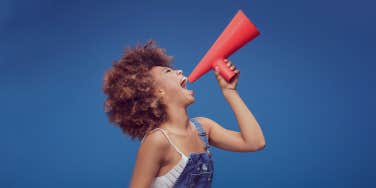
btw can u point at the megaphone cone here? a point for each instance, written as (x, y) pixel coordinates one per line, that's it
(237, 33)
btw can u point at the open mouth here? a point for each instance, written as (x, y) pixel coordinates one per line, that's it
(183, 83)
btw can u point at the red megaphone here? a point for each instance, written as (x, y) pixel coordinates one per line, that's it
(237, 33)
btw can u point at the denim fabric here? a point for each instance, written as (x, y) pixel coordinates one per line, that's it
(199, 170)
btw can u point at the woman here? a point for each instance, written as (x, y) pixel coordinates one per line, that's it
(148, 100)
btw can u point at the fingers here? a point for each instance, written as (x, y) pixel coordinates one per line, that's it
(231, 66)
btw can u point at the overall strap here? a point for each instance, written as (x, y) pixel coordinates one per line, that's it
(201, 132)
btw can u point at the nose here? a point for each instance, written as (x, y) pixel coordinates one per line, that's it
(179, 72)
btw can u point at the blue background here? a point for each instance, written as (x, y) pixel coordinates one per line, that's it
(308, 79)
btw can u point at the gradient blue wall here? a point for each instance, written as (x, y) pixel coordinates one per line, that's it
(309, 79)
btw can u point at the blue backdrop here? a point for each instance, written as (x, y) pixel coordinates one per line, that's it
(308, 79)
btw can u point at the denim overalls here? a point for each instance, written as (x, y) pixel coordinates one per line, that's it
(198, 172)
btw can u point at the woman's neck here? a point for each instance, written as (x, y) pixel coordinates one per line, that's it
(178, 120)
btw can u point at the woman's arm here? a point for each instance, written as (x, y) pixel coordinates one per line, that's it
(250, 137)
(149, 158)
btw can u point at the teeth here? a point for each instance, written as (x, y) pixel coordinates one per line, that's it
(184, 83)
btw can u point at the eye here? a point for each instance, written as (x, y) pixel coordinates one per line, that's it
(168, 70)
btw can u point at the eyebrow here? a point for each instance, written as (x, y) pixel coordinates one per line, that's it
(164, 68)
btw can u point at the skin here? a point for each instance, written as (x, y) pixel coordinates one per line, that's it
(156, 156)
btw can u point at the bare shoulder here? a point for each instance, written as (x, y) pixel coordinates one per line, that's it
(150, 156)
(155, 141)
(154, 147)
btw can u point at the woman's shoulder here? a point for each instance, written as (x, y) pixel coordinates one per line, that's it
(156, 138)
(204, 122)
(154, 143)
(150, 157)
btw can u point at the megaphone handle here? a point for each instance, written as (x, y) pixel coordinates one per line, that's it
(224, 70)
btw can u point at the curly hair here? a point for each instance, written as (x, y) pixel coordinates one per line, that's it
(131, 102)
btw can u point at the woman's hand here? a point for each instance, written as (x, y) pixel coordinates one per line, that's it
(225, 86)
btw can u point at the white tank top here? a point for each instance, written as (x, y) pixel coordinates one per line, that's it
(168, 180)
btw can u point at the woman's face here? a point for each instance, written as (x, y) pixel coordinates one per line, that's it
(171, 85)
